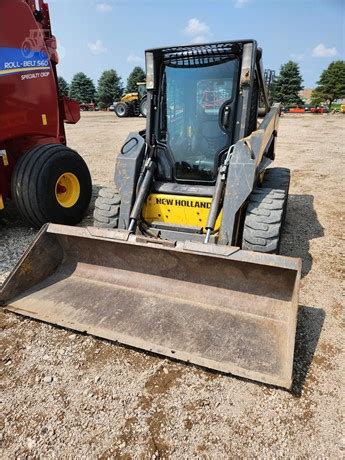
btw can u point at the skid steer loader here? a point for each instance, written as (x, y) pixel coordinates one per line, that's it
(186, 267)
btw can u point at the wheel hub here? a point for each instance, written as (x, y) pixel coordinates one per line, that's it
(67, 190)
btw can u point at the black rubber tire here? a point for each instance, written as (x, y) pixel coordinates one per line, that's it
(143, 106)
(122, 109)
(266, 210)
(34, 180)
(107, 208)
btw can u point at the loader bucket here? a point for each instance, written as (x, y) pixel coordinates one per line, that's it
(215, 306)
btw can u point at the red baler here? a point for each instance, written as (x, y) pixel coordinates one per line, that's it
(47, 181)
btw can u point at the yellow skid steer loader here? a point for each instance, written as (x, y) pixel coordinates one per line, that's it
(182, 260)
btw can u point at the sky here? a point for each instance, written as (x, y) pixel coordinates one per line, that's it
(96, 35)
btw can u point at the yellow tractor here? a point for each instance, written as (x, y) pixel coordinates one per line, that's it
(133, 104)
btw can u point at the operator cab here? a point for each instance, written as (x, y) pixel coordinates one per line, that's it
(194, 116)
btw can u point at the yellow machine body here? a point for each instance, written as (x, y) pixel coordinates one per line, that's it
(130, 97)
(178, 210)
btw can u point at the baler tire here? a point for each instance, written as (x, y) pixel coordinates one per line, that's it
(266, 210)
(107, 208)
(122, 110)
(35, 182)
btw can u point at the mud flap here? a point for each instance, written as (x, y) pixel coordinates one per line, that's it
(215, 306)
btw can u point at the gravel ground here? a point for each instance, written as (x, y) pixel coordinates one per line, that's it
(69, 395)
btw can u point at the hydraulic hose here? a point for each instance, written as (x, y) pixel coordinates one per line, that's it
(218, 195)
(141, 195)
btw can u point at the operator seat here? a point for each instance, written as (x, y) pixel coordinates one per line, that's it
(209, 139)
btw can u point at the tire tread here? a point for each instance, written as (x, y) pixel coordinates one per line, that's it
(107, 208)
(26, 185)
(265, 213)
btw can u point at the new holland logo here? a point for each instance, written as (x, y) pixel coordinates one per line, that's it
(183, 203)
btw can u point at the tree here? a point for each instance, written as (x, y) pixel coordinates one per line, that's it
(331, 85)
(109, 88)
(137, 75)
(316, 99)
(288, 84)
(63, 86)
(82, 88)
